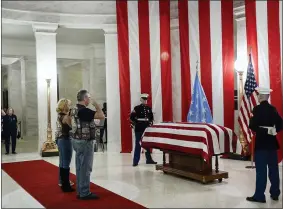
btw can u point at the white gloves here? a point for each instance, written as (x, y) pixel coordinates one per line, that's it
(271, 130)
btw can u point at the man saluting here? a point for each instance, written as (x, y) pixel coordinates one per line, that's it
(141, 118)
(266, 123)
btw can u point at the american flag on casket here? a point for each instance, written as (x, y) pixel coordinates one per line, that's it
(201, 139)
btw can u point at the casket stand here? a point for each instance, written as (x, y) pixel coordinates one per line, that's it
(191, 166)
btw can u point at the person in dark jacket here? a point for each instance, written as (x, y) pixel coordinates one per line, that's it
(104, 130)
(10, 130)
(141, 118)
(266, 123)
(3, 113)
(64, 143)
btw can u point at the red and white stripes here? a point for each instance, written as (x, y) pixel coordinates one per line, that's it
(144, 60)
(200, 139)
(246, 108)
(147, 65)
(209, 40)
(264, 35)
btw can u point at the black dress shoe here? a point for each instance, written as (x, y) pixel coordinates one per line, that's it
(135, 164)
(274, 198)
(91, 196)
(151, 162)
(14, 153)
(7, 153)
(252, 199)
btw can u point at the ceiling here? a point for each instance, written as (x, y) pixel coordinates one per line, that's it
(76, 7)
(67, 7)
(64, 35)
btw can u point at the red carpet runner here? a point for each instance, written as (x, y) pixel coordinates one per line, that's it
(40, 179)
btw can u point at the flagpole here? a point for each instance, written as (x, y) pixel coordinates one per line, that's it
(198, 73)
(252, 140)
(252, 155)
(241, 135)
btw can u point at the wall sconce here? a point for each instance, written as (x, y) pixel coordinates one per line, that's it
(164, 56)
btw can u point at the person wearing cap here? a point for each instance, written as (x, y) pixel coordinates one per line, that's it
(141, 118)
(266, 123)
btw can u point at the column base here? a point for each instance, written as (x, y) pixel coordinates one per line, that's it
(49, 149)
(50, 153)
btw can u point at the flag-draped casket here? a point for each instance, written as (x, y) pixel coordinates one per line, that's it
(190, 147)
(199, 139)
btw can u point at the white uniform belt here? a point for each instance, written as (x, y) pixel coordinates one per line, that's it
(270, 130)
(142, 119)
(268, 127)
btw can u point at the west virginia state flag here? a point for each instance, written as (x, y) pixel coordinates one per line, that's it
(199, 110)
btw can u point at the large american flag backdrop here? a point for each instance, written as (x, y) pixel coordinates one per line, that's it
(157, 58)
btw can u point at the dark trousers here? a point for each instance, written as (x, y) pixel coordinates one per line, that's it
(137, 152)
(264, 158)
(8, 138)
(102, 131)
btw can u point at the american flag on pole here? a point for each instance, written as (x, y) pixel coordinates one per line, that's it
(263, 33)
(249, 101)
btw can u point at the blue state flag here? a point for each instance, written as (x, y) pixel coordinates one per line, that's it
(199, 110)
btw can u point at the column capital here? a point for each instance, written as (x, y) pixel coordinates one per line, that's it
(110, 29)
(44, 27)
(9, 60)
(86, 64)
(22, 58)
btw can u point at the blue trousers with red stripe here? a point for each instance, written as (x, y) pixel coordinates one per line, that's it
(264, 159)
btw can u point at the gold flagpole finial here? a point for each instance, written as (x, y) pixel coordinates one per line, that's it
(250, 49)
(249, 53)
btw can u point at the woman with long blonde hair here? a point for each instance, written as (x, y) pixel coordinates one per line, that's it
(64, 143)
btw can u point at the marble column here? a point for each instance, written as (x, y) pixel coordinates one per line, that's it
(23, 91)
(45, 35)
(86, 74)
(31, 98)
(112, 91)
(14, 88)
(98, 79)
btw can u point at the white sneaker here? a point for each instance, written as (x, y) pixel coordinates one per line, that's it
(71, 183)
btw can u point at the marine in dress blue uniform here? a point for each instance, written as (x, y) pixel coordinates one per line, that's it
(141, 118)
(266, 123)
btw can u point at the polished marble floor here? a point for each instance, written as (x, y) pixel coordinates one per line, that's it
(24, 145)
(148, 187)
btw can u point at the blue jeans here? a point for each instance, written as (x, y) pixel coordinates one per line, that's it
(65, 153)
(84, 160)
(264, 158)
(137, 152)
